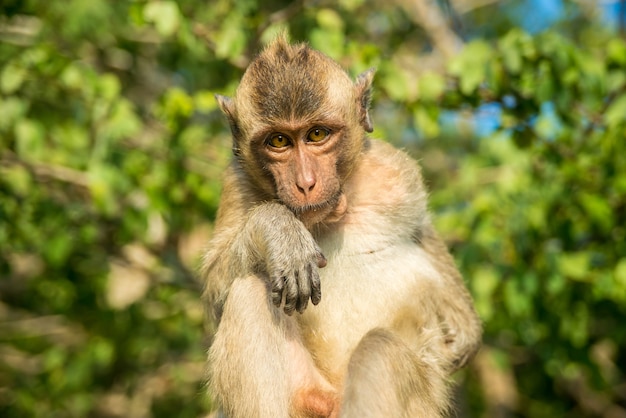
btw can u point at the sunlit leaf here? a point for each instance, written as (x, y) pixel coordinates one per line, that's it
(431, 86)
(517, 303)
(329, 19)
(12, 77)
(331, 42)
(485, 281)
(425, 120)
(616, 112)
(471, 65)
(620, 273)
(29, 135)
(231, 40)
(109, 86)
(164, 14)
(393, 81)
(329, 37)
(616, 51)
(575, 265)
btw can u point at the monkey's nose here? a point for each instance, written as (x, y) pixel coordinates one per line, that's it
(305, 176)
(306, 186)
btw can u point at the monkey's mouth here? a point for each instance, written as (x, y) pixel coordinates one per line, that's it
(330, 210)
(327, 205)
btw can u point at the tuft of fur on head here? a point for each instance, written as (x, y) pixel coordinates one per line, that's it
(288, 82)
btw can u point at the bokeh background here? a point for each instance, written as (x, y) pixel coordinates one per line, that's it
(112, 148)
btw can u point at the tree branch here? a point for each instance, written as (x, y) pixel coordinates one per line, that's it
(427, 14)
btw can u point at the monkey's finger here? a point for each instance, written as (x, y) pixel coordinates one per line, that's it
(316, 288)
(304, 289)
(321, 260)
(302, 303)
(291, 294)
(278, 284)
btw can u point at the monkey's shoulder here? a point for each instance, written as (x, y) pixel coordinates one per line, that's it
(389, 182)
(238, 195)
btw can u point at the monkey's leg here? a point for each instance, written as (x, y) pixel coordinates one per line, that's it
(258, 365)
(387, 379)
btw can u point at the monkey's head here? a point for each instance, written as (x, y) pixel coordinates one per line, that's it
(298, 123)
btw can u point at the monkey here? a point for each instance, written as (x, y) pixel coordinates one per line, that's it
(315, 210)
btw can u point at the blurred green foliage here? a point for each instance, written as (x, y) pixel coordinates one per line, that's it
(111, 151)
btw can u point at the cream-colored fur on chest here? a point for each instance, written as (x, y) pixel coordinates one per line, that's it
(372, 279)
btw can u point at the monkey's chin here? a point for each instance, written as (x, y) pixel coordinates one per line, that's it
(327, 212)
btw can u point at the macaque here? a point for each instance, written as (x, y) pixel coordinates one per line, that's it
(313, 210)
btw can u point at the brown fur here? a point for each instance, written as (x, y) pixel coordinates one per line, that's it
(395, 318)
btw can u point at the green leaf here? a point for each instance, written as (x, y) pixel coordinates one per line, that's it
(394, 81)
(616, 112)
(12, 78)
(598, 209)
(329, 19)
(517, 302)
(165, 15)
(29, 135)
(484, 283)
(58, 249)
(178, 103)
(123, 121)
(513, 47)
(11, 109)
(555, 284)
(431, 86)
(620, 272)
(512, 59)
(18, 179)
(109, 86)
(102, 180)
(329, 41)
(575, 265)
(204, 101)
(616, 51)
(575, 325)
(329, 37)
(616, 80)
(231, 40)
(73, 77)
(470, 66)
(545, 84)
(425, 120)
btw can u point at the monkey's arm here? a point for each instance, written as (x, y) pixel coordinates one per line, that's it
(263, 239)
(452, 302)
(461, 325)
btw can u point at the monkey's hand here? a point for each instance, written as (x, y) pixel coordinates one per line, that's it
(288, 254)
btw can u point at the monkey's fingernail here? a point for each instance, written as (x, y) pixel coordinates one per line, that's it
(276, 298)
(321, 260)
(316, 298)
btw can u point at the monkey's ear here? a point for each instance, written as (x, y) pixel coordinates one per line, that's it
(226, 104)
(228, 107)
(364, 94)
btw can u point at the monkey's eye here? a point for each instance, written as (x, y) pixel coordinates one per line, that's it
(278, 140)
(317, 134)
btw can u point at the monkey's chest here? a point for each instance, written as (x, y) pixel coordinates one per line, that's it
(362, 289)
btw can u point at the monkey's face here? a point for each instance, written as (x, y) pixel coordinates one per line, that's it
(299, 124)
(302, 161)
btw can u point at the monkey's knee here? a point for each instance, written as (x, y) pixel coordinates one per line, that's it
(386, 378)
(246, 358)
(314, 403)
